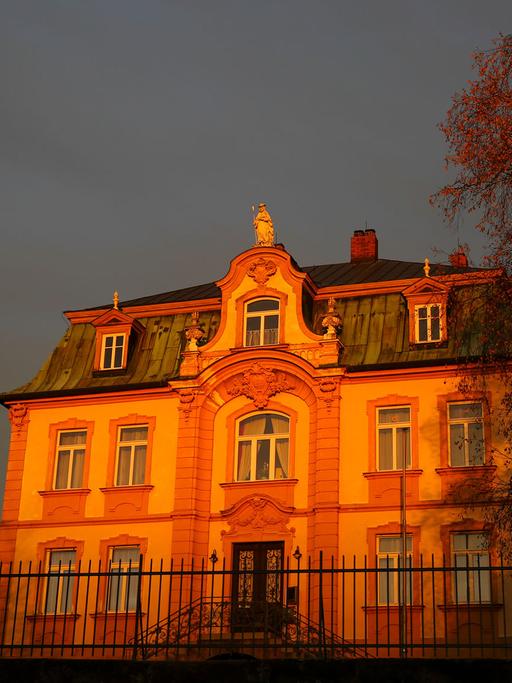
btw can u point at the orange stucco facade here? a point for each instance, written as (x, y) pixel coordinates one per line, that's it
(332, 495)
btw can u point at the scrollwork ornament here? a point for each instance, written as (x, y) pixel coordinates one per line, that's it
(259, 384)
(328, 387)
(187, 398)
(261, 270)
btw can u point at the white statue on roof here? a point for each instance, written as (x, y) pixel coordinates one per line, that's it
(264, 227)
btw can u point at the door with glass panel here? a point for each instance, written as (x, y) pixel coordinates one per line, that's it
(257, 591)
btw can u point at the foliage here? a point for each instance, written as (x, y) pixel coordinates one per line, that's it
(478, 131)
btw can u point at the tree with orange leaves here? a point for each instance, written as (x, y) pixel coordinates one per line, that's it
(478, 131)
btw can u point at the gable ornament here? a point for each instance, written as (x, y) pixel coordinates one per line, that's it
(261, 270)
(259, 384)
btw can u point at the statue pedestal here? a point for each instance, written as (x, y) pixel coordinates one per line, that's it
(330, 352)
(190, 365)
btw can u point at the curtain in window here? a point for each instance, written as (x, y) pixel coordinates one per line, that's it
(281, 459)
(139, 464)
(123, 466)
(123, 582)
(279, 424)
(385, 449)
(59, 589)
(253, 425)
(134, 434)
(244, 461)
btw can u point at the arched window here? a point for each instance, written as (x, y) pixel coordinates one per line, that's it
(261, 322)
(262, 447)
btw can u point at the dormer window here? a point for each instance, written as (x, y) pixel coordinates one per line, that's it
(262, 322)
(427, 301)
(112, 355)
(117, 335)
(428, 323)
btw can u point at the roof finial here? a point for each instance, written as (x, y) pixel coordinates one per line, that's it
(426, 268)
(116, 300)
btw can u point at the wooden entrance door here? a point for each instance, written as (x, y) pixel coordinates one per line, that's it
(257, 594)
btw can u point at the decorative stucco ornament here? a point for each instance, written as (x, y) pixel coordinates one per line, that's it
(18, 416)
(331, 321)
(261, 270)
(259, 384)
(264, 227)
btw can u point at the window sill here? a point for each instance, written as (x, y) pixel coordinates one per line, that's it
(64, 504)
(238, 349)
(259, 482)
(471, 606)
(392, 473)
(392, 608)
(109, 372)
(469, 470)
(50, 617)
(123, 614)
(126, 501)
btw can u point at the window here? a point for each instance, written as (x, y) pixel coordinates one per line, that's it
(394, 438)
(112, 356)
(472, 584)
(131, 455)
(465, 426)
(59, 587)
(69, 459)
(262, 447)
(389, 560)
(262, 322)
(123, 580)
(428, 323)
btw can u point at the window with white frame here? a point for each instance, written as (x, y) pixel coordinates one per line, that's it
(465, 425)
(261, 322)
(112, 352)
(131, 455)
(59, 586)
(70, 459)
(428, 322)
(393, 438)
(123, 579)
(390, 553)
(470, 559)
(262, 447)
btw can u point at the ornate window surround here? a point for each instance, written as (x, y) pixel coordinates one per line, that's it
(113, 323)
(426, 292)
(68, 502)
(232, 423)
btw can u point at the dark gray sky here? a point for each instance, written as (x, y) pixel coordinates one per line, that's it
(136, 134)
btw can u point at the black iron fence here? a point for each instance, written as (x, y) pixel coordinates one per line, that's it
(320, 608)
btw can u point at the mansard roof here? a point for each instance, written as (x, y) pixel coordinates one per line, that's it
(374, 332)
(327, 275)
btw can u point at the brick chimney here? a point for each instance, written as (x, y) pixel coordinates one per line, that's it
(458, 258)
(364, 246)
